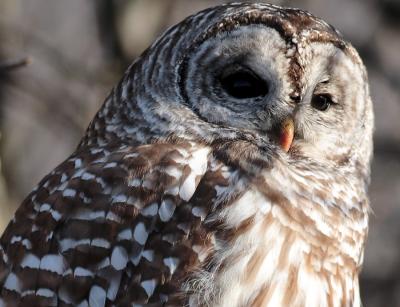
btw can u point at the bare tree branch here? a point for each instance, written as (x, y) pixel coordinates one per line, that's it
(9, 65)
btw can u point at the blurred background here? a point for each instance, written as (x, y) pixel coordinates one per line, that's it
(79, 49)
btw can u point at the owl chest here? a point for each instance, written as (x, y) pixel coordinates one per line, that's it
(268, 262)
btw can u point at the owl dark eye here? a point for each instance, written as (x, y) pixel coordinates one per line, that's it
(243, 84)
(321, 102)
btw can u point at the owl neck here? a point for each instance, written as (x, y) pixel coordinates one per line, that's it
(287, 269)
(138, 121)
(287, 243)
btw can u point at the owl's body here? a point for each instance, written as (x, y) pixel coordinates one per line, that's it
(228, 168)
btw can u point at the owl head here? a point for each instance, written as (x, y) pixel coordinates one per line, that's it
(253, 73)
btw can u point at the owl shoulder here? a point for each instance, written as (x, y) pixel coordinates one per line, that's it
(99, 211)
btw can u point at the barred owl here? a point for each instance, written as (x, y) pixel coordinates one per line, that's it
(229, 167)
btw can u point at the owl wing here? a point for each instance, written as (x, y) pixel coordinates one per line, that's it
(112, 225)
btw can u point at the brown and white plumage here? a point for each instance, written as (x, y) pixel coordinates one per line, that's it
(182, 192)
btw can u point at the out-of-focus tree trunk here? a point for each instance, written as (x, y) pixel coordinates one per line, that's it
(3, 196)
(6, 205)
